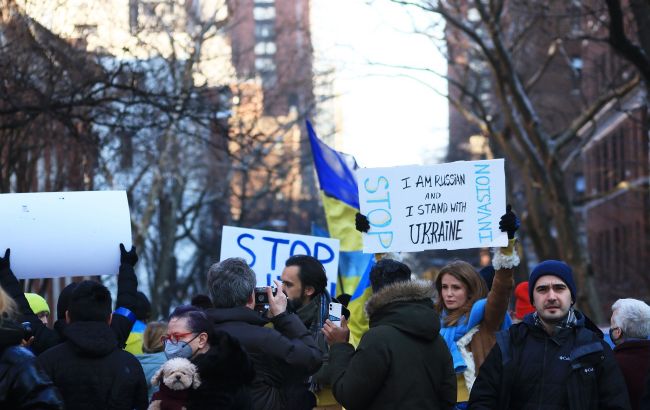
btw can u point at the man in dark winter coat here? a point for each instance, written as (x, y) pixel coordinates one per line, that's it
(554, 359)
(630, 328)
(282, 355)
(89, 368)
(44, 337)
(401, 362)
(304, 280)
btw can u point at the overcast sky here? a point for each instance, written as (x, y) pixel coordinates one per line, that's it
(388, 119)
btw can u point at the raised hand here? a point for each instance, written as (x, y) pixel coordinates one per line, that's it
(509, 222)
(361, 222)
(335, 334)
(130, 257)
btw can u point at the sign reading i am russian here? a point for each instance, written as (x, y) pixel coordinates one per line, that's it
(412, 208)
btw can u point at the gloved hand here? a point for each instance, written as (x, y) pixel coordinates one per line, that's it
(509, 222)
(4, 262)
(130, 257)
(361, 222)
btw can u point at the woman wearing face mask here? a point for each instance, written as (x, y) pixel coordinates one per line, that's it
(225, 369)
(470, 314)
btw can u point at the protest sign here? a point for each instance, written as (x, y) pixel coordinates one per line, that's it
(448, 206)
(54, 234)
(266, 251)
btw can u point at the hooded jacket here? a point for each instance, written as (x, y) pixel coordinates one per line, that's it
(44, 337)
(91, 372)
(23, 385)
(280, 356)
(401, 362)
(574, 369)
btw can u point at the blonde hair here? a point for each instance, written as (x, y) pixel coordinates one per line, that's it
(7, 304)
(151, 342)
(476, 289)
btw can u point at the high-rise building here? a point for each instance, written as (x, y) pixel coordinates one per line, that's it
(271, 42)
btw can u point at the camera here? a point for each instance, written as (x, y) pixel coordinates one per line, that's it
(261, 297)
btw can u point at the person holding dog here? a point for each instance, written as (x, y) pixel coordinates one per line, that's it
(224, 369)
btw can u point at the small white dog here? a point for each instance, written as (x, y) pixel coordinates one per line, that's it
(175, 377)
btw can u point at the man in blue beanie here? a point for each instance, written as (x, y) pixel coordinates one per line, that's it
(552, 359)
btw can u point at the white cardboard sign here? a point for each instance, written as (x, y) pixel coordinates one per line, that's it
(266, 251)
(54, 234)
(456, 205)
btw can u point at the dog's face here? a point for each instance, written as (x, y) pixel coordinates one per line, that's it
(177, 374)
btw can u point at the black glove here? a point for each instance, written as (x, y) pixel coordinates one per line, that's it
(130, 257)
(361, 222)
(509, 222)
(4, 262)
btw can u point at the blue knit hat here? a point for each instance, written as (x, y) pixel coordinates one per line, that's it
(555, 268)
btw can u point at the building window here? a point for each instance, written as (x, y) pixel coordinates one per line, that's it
(264, 12)
(580, 185)
(264, 30)
(268, 78)
(264, 64)
(265, 48)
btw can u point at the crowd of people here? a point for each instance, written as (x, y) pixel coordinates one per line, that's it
(450, 344)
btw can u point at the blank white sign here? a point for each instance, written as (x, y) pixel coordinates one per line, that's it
(54, 234)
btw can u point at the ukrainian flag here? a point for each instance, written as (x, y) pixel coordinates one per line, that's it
(340, 195)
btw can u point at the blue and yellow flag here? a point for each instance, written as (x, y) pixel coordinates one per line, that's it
(340, 194)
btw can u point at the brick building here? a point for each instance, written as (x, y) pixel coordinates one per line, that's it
(608, 169)
(271, 42)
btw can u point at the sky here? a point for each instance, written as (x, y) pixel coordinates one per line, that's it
(388, 119)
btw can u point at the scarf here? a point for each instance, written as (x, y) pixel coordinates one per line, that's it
(569, 320)
(313, 315)
(451, 334)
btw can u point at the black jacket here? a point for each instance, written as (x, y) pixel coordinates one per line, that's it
(528, 369)
(45, 338)
(23, 384)
(401, 362)
(226, 374)
(92, 372)
(280, 356)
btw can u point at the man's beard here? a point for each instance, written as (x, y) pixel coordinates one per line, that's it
(300, 302)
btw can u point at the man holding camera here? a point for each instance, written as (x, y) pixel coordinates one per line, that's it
(304, 280)
(281, 355)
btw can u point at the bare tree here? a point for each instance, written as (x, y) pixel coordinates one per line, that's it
(516, 75)
(164, 117)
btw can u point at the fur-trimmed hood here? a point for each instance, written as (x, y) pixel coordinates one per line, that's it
(407, 306)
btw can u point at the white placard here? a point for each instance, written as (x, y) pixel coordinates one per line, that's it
(54, 234)
(456, 205)
(266, 251)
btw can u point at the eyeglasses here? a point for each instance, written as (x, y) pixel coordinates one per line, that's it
(174, 338)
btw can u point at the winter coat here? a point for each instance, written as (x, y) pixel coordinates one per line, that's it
(280, 356)
(92, 372)
(633, 357)
(573, 369)
(150, 363)
(401, 362)
(168, 399)
(226, 374)
(496, 308)
(45, 338)
(314, 391)
(23, 384)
